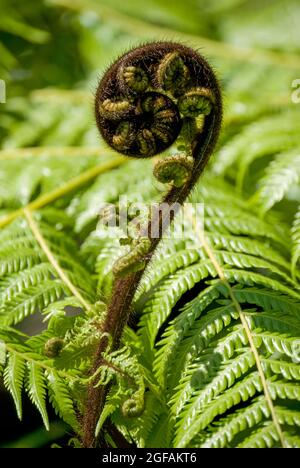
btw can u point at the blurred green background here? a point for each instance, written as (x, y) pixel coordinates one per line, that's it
(53, 52)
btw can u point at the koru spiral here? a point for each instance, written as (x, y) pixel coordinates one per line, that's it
(148, 96)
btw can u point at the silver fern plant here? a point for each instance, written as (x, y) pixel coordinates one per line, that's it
(211, 358)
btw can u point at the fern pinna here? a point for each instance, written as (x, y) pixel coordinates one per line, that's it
(210, 355)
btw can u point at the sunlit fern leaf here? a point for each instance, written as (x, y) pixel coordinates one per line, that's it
(27, 367)
(249, 278)
(104, 263)
(287, 416)
(267, 299)
(223, 218)
(166, 267)
(166, 296)
(292, 440)
(112, 404)
(271, 134)
(61, 399)
(23, 178)
(35, 299)
(285, 390)
(36, 388)
(15, 260)
(281, 175)
(250, 246)
(276, 342)
(13, 379)
(222, 433)
(288, 370)
(29, 281)
(265, 436)
(23, 279)
(273, 321)
(226, 346)
(172, 338)
(102, 251)
(47, 122)
(245, 389)
(167, 264)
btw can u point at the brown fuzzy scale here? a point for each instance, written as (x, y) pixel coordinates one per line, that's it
(148, 57)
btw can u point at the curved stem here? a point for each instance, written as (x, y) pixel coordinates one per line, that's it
(124, 289)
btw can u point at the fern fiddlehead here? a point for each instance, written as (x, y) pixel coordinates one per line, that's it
(148, 99)
(53, 347)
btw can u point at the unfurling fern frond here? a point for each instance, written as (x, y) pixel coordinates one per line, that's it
(200, 350)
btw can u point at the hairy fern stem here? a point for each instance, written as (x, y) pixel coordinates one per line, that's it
(145, 101)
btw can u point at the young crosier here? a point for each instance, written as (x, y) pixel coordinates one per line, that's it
(150, 98)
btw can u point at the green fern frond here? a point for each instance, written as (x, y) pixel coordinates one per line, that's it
(28, 283)
(61, 399)
(26, 367)
(245, 389)
(288, 370)
(166, 296)
(270, 135)
(268, 299)
(36, 388)
(35, 298)
(267, 437)
(222, 433)
(281, 175)
(13, 379)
